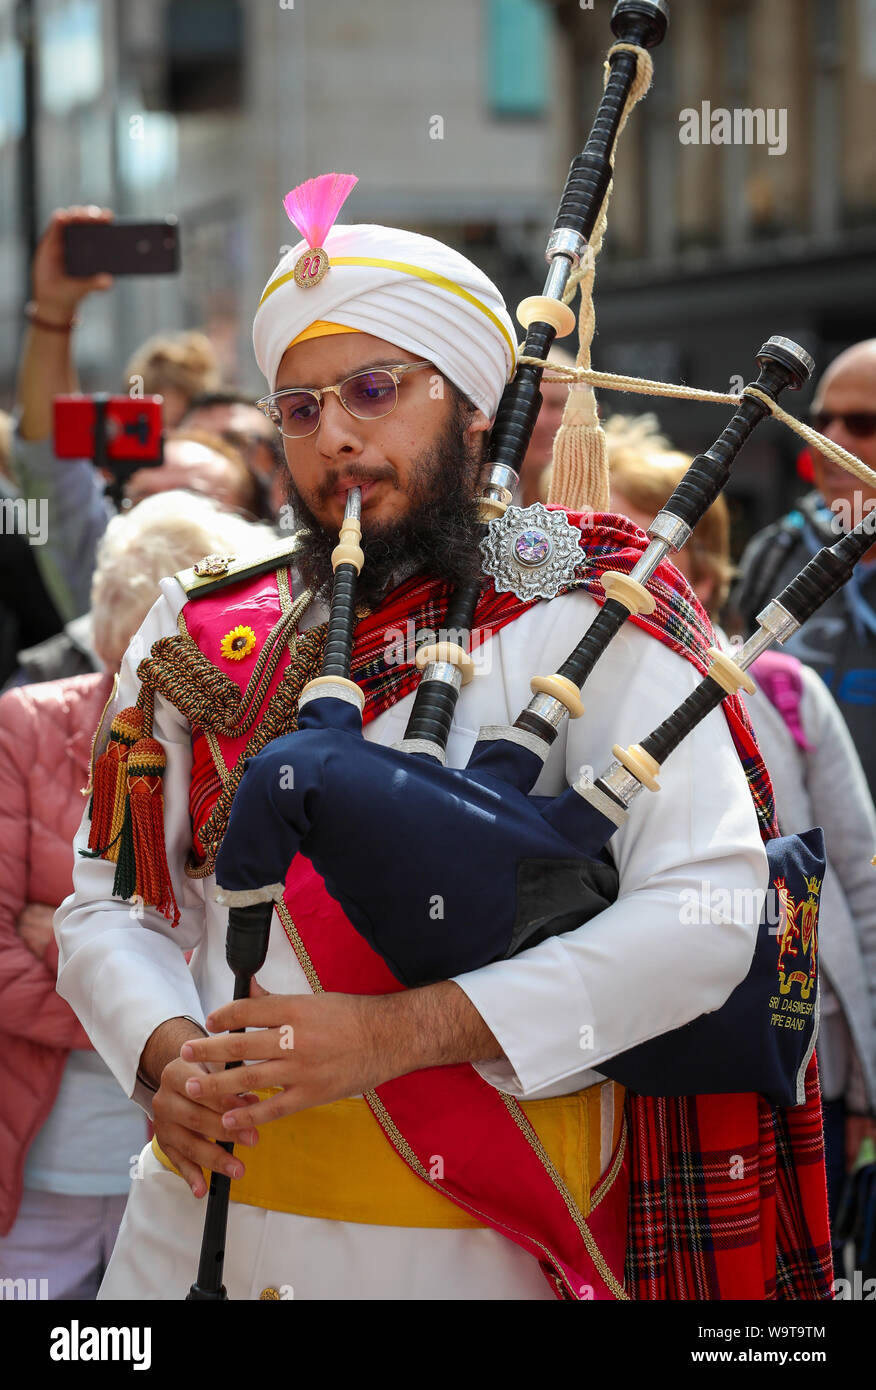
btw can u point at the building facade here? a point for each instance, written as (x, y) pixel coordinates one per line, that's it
(725, 229)
(452, 116)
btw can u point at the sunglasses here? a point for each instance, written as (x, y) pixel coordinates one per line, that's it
(859, 423)
(370, 395)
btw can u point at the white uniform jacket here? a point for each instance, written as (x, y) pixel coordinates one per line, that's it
(557, 1009)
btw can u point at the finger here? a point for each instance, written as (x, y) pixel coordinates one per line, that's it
(245, 1098)
(255, 989)
(188, 1170)
(258, 1012)
(202, 1116)
(256, 1045)
(285, 1102)
(210, 1090)
(198, 1153)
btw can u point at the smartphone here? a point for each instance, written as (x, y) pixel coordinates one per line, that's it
(121, 248)
(130, 428)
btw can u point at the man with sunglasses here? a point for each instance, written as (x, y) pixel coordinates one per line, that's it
(840, 640)
(386, 375)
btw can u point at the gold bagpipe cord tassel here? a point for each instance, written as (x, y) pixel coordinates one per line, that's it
(127, 810)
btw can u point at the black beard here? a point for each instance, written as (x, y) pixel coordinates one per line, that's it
(439, 534)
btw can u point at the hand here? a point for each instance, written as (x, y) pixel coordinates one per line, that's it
(183, 1129)
(317, 1048)
(34, 926)
(323, 1047)
(55, 292)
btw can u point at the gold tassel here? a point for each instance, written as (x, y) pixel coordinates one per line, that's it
(579, 473)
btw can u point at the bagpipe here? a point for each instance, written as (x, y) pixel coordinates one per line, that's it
(378, 822)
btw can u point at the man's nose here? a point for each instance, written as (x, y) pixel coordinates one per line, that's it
(337, 432)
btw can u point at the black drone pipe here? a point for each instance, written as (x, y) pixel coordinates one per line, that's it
(642, 23)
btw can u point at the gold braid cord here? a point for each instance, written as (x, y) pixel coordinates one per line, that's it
(178, 670)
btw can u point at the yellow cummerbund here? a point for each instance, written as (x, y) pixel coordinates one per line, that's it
(335, 1162)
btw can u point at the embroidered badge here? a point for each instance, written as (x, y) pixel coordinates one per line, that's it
(797, 933)
(238, 643)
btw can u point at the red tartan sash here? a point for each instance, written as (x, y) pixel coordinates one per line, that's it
(727, 1195)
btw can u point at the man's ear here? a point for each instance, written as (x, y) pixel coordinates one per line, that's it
(476, 425)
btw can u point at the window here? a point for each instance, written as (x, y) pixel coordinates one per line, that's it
(71, 57)
(205, 40)
(518, 50)
(11, 92)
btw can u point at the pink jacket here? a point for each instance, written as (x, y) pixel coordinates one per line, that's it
(45, 742)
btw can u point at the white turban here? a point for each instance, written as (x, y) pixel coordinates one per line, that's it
(409, 290)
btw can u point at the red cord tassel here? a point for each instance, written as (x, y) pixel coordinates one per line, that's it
(110, 784)
(146, 765)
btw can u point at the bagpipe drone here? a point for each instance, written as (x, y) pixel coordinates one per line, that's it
(379, 822)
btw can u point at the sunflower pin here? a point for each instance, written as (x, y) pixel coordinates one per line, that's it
(238, 643)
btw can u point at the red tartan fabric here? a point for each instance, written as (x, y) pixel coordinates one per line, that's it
(727, 1194)
(727, 1199)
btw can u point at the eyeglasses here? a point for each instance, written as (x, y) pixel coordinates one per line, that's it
(859, 423)
(297, 411)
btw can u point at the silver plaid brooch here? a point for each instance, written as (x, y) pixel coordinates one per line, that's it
(532, 552)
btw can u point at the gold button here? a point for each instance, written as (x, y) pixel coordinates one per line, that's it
(213, 565)
(269, 1293)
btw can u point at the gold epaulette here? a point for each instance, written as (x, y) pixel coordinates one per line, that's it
(218, 571)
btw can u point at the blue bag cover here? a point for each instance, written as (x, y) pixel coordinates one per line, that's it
(441, 870)
(762, 1037)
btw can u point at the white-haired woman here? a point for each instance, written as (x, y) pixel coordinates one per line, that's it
(68, 1134)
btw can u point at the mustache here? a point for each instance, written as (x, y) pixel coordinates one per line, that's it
(358, 474)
